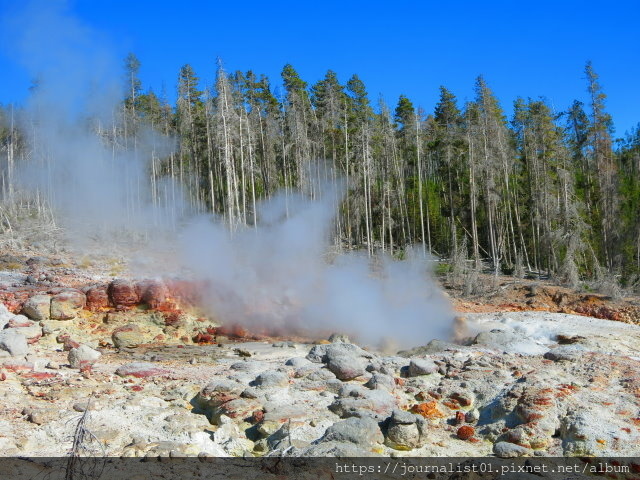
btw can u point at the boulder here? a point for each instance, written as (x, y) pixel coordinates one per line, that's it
(83, 356)
(140, 370)
(66, 305)
(346, 367)
(5, 316)
(420, 366)
(37, 307)
(31, 330)
(97, 298)
(567, 353)
(13, 342)
(406, 431)
(271, 378)
(127, 336)
(356, 401)
(510, 450)
(322, 353)
(364, 432)
(152, 292)
(434, 346)
(123, 293)
(345, 360)
(339, 338)
(380, 380)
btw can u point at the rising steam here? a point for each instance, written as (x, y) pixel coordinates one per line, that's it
(278, 272)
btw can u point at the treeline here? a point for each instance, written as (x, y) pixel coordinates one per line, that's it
(546, 192)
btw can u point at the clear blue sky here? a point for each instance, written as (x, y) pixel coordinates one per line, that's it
(529, 49)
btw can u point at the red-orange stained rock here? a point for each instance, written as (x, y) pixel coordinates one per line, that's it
(465, 432)
(97, 298)
(123, 293)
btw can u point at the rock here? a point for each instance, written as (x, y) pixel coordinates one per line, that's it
(83, 406)
(123, 293)
(286, 344)
(235, 445)
(510, 450)
(335, 450)
(5, 316)
(97, 298)
(52, 365)
(13, 342)
(219, 391)
(32, 331)
(127, 336)
(346, 367)
(567, 353)
(590, 429)
(39, 416)
(222, 397)
(83, 356)
(359, 431)
(152, 292)
(270, 379)
(509, 341)
(419, 366)
(465, 432)
(66, 305)
(67, 342)
(465, 399)
(434, 346)
(140, 370)
(339, 338)
(356, 401)
(298, 362)
(19, 321)
(429, 410)
(472, 416)
(37, 307)
(322, 353)
(345, 360)
(405, 431)
(379, 380)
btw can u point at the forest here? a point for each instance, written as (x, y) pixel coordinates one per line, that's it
(544, 193)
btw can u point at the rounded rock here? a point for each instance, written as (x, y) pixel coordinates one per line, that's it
(127, 336)
(123, 293)
(419, 366)
(67, 304)
(37, 307)
(83, 356)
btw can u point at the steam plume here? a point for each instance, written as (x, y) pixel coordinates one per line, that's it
(276, 273)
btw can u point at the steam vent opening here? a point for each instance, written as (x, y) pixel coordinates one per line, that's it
(278, 270)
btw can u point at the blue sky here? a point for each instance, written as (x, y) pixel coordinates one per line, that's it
(528, 49)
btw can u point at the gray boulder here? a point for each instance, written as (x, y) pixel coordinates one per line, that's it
(13, 342)
(510, 450)
(37, 307)
(406, 431)
(345, 360)
(356, 401)
(420, 366)
(83, 356)
(346, 367)
(380, 380)
(434, 346)
(567, 353)
(359, 431)
(271, 378)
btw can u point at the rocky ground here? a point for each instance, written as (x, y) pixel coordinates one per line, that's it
(136, 369)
